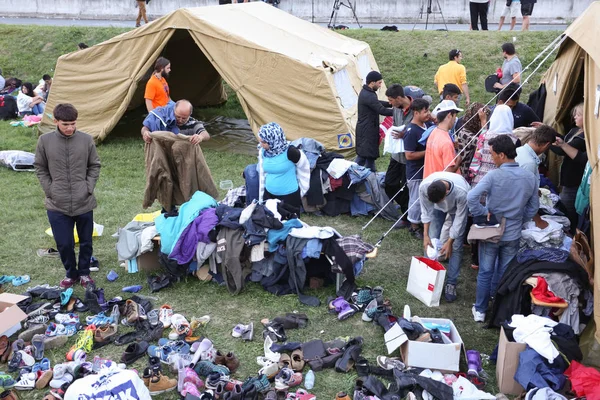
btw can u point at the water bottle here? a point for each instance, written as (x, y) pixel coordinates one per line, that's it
(309, 380)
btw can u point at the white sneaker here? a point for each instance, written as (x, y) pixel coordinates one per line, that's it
(365, 316)
(165, 312)
(27, 382)
(477, 316)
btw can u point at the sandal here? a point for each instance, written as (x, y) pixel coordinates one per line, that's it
(65, 296)
(21, 280)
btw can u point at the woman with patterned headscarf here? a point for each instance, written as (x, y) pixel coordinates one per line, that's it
(284, 170)
(466, 136)
(501, 123)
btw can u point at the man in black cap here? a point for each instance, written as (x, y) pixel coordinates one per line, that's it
(367, 126)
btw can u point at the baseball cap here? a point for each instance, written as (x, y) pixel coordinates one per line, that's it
(445, 105)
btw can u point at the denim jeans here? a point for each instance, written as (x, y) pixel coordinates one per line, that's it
(435, 229)
(504, 252)
(62, 229)
(366, 162)
(414, 211)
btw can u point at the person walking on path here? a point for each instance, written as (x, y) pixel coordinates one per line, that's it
(511, 9)
(141, 5)
(479, 10)
(67, 166)
(526, 11)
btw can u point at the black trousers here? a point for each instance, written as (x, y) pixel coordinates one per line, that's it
(395, 177)
(62, 229)
(479, 11)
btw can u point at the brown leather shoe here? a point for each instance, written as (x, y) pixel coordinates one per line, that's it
(105, 333)
(232, 362)
(160, 384)
(44, 377)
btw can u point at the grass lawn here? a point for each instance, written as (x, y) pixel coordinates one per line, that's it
(406, 57)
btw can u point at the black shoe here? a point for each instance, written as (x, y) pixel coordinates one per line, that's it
(275, 332)
(158, 283)
(134, 352)
(91, 300)
(436, 336)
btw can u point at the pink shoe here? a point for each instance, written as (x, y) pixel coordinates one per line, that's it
(192, 377)
(190, 388)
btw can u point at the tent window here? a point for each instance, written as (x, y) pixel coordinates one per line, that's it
(346, 93)
(364, 66)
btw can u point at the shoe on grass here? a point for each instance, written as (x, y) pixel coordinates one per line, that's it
(67, 283)
(160, 383)
(165, 313)
(478, 316)
(450, 293)
(86, 281)
(389, 363)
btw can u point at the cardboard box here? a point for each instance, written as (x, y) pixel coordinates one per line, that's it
(10, 314)
(148, 262)
(507, 364)
(444, 357)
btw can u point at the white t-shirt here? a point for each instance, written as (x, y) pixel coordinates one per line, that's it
(23, 102)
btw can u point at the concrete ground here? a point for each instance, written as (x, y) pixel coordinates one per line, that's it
(436, 24)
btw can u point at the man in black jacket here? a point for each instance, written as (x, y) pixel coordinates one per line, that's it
(367, 126)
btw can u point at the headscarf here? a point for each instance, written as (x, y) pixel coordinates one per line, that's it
(473, 123)
(273, 135)
(502, 120)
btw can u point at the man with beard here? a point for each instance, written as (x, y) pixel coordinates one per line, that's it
(157, 88)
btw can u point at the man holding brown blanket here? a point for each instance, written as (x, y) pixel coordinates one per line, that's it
(175, 164)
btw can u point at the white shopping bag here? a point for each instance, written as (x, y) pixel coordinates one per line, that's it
(426, 280)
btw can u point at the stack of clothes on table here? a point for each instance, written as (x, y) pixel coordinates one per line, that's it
(265, 243)
(551, 276)
(337, 186)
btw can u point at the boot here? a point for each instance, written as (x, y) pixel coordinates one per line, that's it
(351, 353)
(473, 362)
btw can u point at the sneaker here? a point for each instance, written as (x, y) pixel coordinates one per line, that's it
(477, 316)
(27, 382)
(180, 327)
(450, 293)
(86, 281)
(191, 389)
(370, 309)
(239, 330)
(153, 317)
(67, 283)
(165, 314)
(196, 323)
(131, 312)
(38, 319)
(67, 319)
(390, 363)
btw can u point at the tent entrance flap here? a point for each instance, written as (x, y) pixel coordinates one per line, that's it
(192, 75)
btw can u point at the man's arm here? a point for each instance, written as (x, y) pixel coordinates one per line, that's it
(474, 196)
(465, 89)
(149, 106)
(41, 168)
(533, 204)
(93, 168)
(380, 107)
(414, 155)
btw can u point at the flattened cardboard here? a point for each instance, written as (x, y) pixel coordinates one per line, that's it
(394, 338)
(444, 357)
(148, 262)
(507, 364)
(10, 314)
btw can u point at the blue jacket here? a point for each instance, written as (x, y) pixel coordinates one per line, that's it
(162, 119)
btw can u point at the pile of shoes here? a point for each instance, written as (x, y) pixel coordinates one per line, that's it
(369, 301)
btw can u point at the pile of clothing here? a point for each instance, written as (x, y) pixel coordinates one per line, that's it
(265, 243)
(337, 186)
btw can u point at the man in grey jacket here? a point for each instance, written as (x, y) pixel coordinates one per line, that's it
(67, 165)
(442, 194)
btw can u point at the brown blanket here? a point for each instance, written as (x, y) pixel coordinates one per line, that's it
(175, 170)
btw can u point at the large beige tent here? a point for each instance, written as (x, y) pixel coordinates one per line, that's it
(283, 69)
(573, 77)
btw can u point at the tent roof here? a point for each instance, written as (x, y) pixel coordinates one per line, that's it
(259, 26)
(585, 31)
